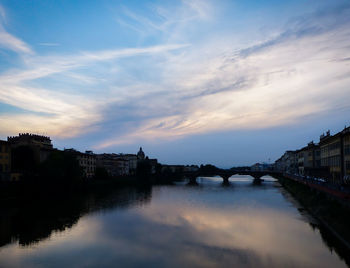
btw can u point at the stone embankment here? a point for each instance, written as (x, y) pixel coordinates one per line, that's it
(330, 206)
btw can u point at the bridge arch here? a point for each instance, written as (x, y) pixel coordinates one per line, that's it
(225, 177)
(227, 174)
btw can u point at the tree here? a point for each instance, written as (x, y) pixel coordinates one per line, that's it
(24, 160)
(143, 168)
(61, 167)
(101, 174)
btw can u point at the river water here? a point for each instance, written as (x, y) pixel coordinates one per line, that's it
(207, 225)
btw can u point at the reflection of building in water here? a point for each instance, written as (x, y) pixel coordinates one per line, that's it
(5, 161)
(31, 222)
(87, 161)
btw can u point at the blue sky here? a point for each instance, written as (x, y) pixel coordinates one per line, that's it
(222, 82)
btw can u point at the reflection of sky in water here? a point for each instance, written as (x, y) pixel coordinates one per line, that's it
(201, 226)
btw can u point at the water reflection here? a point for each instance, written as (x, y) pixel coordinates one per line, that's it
(32, 220)
(239, 225)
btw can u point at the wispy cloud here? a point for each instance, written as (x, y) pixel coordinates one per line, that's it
(9, 41)
(49, 44)
(62, 111)
(276, 82)
(3, 18)
(187, 84)
(168, 24)
(13, 43)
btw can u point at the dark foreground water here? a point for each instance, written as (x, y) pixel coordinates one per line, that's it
(209, 225)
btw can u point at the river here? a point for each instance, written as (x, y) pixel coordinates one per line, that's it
(206, 225)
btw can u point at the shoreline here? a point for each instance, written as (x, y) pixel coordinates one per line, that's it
(330, 212)
(324, 208)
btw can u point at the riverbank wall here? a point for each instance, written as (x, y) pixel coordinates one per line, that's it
(331, 210)
(44, 189)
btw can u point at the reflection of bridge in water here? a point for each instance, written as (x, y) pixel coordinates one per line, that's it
(226, 174)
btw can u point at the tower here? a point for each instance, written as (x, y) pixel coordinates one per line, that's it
(140, 154)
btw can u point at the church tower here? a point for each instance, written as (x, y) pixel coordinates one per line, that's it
(140, 154)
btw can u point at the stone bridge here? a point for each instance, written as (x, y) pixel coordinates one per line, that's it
(226, 174)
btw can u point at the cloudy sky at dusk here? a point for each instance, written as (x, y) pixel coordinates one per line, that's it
(192, 81)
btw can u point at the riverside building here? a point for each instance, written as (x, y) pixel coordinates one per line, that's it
(346, 152)
(5, 161)
(331, 155)
(118, 164)
(87, 161)
(41, 145)
(330, 159)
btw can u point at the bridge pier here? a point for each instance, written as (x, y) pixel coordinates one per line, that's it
(257, 178)
(193, 179)
(225, 177)
(225, 183)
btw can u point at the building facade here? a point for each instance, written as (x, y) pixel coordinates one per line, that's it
(131, 162)
(5, 161)
(109, 163)
(118, 164)
(312, 163)
(87, 161)
(302, 160)
(191, 168)
(288, 162)
(41, 145)
(291, 162)
(172, 168)
(31, 139)
(153, 163)
(331, 156)
(330, 159)
(346, 153)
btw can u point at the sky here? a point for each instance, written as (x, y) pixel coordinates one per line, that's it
(193, 82)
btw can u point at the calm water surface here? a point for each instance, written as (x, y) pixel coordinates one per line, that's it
(209, 225)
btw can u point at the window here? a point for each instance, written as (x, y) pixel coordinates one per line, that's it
(347, 149)
(337, 161)
(333, 161)
(347, 165)
(334, 146)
